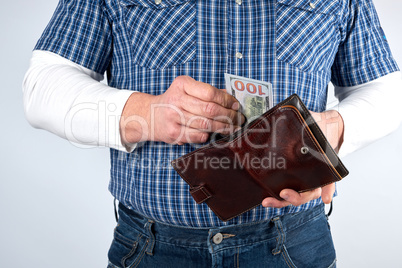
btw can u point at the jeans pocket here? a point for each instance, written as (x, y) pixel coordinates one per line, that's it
(310, 246)
(161, 35)
(306, 33)
(128, 247)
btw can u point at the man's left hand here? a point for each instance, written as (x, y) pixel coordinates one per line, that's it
(331, 124)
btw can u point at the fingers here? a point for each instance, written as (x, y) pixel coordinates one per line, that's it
(208, 93)
(176, 133)
(189, 128)
(211, 110)
(332, 125)
(217, 125)
(294, 198)
(298, 199)
(189, 110)
(181, 135)
(274, 203)
(327, 193)
(191, 135)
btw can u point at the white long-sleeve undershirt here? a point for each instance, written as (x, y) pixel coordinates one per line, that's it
(70, 101)
(370, 111)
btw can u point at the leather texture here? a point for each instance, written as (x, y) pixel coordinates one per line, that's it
(283, 148)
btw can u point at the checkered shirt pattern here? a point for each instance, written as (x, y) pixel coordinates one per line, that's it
(297, 45)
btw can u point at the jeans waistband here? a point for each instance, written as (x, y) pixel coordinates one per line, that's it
(220, 237)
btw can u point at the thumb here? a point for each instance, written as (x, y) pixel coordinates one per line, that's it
(327, 193)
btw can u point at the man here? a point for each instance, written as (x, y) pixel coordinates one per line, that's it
(173, 53)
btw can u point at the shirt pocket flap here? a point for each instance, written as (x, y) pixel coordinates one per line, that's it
(155, 4)
(330, 7)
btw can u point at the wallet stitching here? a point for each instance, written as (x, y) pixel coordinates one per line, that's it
(259, 122)
(317, 128)
(217, 213)
(207, 194)
(322, 154)
(255, 124)
(211, 145)
(322, 135)
(252, 126)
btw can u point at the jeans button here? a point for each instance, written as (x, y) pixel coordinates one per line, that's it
(218, 238)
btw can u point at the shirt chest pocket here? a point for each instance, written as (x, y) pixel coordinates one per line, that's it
(162, 33)
(307, 35)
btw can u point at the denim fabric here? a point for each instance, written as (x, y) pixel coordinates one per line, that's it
(294, 240)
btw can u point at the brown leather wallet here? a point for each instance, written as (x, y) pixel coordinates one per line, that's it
(283, 148)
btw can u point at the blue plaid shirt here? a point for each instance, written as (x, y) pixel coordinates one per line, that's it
(297, 45)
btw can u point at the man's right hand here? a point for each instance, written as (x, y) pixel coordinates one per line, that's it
(186, 113)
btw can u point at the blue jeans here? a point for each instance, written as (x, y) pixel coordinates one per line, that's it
(296, 240)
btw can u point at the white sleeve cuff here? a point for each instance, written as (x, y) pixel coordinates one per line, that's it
(68, 100)
(370, 111)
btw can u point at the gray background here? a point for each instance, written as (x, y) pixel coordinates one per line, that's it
(56, 210)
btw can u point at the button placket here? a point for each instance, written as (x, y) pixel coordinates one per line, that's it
(238, 54)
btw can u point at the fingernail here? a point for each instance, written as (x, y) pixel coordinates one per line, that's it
(235, 106)
(285, 196)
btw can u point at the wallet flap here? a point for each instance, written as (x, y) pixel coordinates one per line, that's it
(200, 194)
(295, 101)
(283, 148)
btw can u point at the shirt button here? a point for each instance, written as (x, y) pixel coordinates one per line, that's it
(312, 5)
(218, 238)
(158, 2)
(239, 55)
(238, 2)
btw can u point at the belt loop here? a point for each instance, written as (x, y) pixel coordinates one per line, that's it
(281, 236)
(151, 242)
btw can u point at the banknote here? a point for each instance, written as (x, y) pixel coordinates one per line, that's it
(255, 97)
